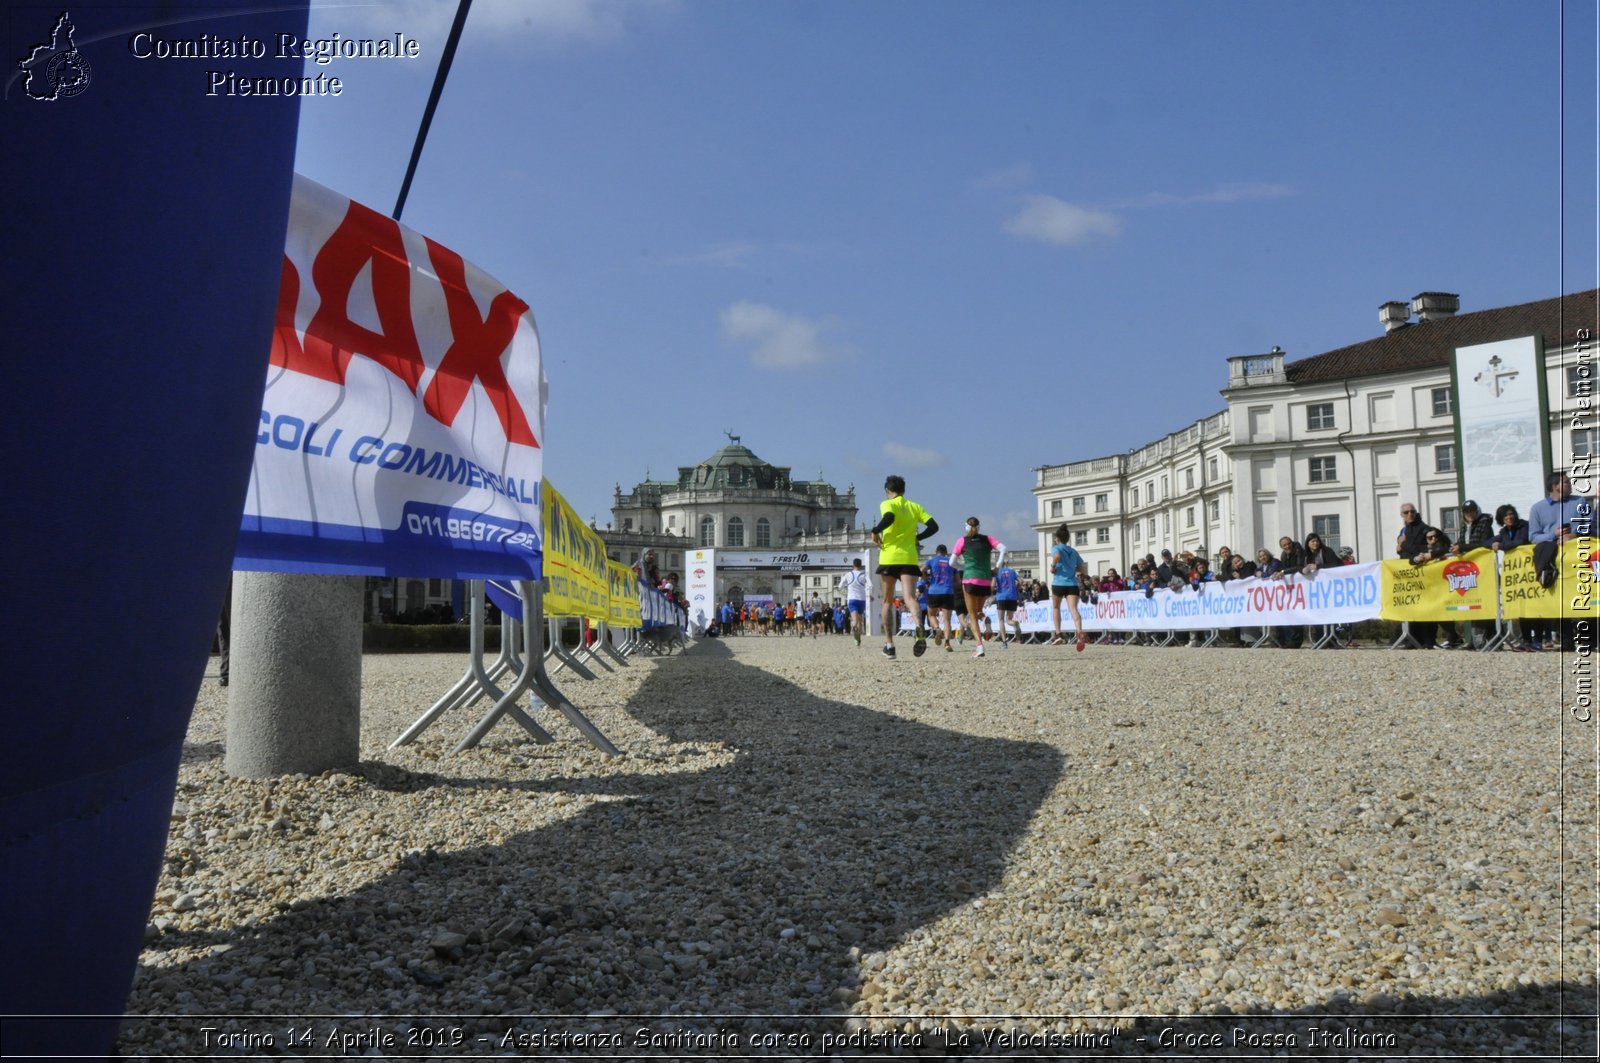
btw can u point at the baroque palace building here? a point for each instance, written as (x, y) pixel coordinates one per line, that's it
(1331, 444)
(733, 500)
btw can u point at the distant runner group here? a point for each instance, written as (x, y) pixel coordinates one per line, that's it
(959, 582)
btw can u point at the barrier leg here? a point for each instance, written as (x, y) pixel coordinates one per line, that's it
(558, 651)
(1497, 639)
(1405, 637)
(477, 682)
(589, 653)
(533, 609)
(604, 642)
(506, 704)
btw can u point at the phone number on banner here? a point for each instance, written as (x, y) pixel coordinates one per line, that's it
(441, 522)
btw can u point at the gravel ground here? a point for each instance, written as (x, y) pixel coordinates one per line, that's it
(1124, 851)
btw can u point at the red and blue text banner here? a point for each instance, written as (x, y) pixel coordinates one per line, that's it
(401, 427)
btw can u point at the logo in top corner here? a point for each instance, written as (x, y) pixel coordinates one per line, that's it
(56, 70)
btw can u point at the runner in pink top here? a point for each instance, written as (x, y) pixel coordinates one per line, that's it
(976, 557)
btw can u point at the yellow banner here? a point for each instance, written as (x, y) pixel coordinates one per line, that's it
(1456, 588)
(624, 595)
(1573, 593)
(576, 580)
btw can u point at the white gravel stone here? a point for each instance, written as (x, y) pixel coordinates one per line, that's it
(1019, 845)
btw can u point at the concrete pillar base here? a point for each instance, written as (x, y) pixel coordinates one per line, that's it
(294, 696)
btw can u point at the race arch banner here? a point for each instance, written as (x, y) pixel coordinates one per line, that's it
(402, 424)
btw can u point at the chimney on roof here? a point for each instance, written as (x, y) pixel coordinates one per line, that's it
(1429, 305)
(1394, 315)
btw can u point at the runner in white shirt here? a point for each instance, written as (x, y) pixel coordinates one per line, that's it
(855, 587)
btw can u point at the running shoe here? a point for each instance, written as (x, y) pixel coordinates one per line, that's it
(920, 646)
(1081, 643)
(1058, 641)
(858, 640)
(948, 648)
(888, 651)
(978, 652)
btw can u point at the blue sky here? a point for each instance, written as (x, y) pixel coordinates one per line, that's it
(959, 239)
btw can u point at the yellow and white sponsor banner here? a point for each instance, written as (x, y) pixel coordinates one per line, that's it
(1573, 593)
(577, 582)
(624, 595)
(1455, 588)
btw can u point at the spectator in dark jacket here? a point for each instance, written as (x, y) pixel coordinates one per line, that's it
(1291, 559)
(1512, 533)
(1318, 555)
(1410, 544)
(1476, 529)
(1435, 547)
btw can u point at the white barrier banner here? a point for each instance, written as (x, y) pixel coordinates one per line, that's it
(1345, 595)
(403, 416)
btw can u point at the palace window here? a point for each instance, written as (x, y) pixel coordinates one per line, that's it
(1327, 529)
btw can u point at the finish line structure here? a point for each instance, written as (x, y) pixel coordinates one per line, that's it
(702, 565)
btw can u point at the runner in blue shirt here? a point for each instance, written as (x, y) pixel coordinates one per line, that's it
(941, 594)
(1005, 601)
(1066, 570)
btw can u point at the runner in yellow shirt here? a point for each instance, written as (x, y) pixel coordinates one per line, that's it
(897, 536)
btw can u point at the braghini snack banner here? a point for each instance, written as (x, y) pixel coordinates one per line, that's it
(401, 425)
(577, 582)
(1451, 589)
(1573, 593)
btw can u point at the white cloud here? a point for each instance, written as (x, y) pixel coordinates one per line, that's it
(912, 457)
(1055, 221)
(1015, 529)
(777, 340)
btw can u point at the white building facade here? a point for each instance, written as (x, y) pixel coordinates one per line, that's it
(1331, 444)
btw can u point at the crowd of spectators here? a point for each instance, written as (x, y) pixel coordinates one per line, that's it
(1562, 515)
(1556, 517)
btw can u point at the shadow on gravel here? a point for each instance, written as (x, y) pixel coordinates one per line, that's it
(199, 752)
(747, 890)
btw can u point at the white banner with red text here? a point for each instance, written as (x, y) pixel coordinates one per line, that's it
(403, 416)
